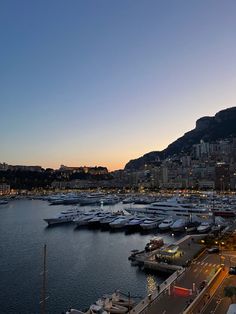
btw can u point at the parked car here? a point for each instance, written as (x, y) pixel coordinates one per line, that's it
(213, 250)
(232, 270)
(202, 285)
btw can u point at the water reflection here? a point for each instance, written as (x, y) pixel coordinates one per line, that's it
(151, 284)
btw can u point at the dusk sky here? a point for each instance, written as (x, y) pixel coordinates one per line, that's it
(102, 82)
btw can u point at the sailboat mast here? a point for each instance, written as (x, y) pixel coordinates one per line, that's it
(43, 301)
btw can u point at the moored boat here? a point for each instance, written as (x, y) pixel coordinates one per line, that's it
(204, 227)
(166, 224)
(63, 217)
(119, 222)
(178, 225)
(3, 202)
(149, 223)
(154, 243)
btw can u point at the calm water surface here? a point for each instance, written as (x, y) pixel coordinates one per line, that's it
(82, 264)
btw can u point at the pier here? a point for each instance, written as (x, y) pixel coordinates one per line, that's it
(171, 257)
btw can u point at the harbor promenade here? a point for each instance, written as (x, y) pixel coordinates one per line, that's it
(164, 300)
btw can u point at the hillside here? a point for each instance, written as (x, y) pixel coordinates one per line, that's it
(222, 125)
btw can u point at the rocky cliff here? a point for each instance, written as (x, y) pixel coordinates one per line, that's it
(222, 125)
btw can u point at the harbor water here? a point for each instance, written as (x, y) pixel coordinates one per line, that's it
(82, 264)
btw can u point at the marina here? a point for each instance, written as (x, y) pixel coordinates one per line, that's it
(87, 236)
(72, 279)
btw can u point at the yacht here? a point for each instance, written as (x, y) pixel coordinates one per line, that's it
(64, 199)
(128, 200)
(95, 221)
(104, 222)
(166, 224)
(64, 216)
(176, 207)
(178, 225)
(134, 223)
(204, 227)
(91, 199)
(3, 202)
(224, 210)
(192, 226)
(83, 219)
(149, 223)
(109, 200)
(119, 222)
(154, 243)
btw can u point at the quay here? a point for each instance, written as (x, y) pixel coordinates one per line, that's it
(171, 257)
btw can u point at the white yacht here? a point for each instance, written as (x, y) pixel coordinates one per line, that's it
(109, 200)
(83, 219)
(91, 199)
(64, 216)
(176, 207)
(134, 223)
(166, 224)
(119, 222)
(66, 199)
(95, 221)
(149, 223)
(178, 225)
(104, 222)
(204, 227)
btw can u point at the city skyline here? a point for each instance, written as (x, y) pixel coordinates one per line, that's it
(100, 83)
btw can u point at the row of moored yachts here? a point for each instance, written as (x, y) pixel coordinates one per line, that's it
(119, 220)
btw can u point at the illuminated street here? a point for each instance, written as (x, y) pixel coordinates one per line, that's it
(201, 269)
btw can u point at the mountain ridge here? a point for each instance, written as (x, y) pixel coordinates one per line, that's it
(220, 126)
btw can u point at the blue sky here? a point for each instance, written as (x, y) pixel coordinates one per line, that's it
(102, 82)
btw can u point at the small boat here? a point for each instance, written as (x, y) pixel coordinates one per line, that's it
(166, 224)
(154, 243)
(96, 309)
(110, 307)
(117, 299)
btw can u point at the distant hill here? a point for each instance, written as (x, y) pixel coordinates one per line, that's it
(222, 125)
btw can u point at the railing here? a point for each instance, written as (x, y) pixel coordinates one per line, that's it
(143, 306)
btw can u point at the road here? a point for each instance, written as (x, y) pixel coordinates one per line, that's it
(219, 303)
